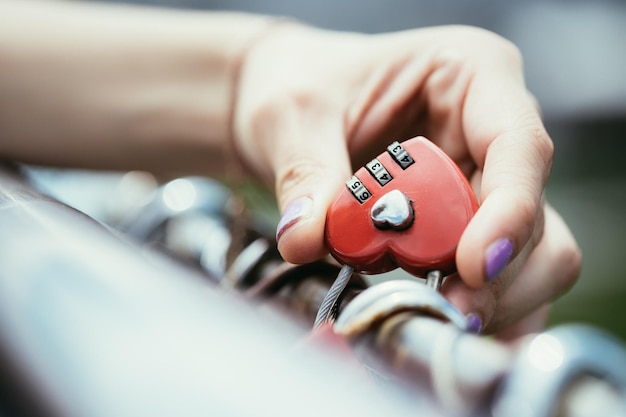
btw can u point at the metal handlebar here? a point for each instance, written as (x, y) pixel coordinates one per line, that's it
(405, 333)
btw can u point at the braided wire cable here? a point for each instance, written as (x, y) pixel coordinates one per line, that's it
(328, 308)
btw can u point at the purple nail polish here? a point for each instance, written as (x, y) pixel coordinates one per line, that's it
(295, 211)
(474, 323)
(497, 256)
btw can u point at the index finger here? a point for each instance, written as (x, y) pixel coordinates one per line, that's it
(510, 145)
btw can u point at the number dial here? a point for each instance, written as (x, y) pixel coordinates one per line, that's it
(442, 199)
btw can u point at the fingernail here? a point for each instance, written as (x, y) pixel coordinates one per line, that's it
(295, 211)
(474, 323)
(497, 256)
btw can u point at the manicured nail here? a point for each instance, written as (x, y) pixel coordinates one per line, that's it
(295, 211)
(497, 256)
(474, 323)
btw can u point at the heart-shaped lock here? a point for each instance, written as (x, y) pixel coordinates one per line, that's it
(407, 208)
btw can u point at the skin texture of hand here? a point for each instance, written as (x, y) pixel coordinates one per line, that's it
(314, 105)
(140, 88)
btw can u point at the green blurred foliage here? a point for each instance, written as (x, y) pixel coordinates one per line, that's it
(588, 188)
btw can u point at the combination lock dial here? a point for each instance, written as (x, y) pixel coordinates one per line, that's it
(406, 208)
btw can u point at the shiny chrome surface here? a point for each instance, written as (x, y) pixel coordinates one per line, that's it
(93, 325)
(422, 339)
(385, 299)
(550, 363)
(434, 279)
(393, 211)
(174, 198)
(87, 309)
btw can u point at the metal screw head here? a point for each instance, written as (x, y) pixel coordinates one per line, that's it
(393, 211)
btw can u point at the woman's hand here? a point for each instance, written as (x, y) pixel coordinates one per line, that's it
(313, 104)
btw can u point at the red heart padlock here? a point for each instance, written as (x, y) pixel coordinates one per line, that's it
(407, 208)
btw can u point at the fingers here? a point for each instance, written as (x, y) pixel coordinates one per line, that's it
(507, 139)
(290, 126)
(550, 270)
(303, 143)
(306, 188)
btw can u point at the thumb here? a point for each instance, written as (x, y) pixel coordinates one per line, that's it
(310, 168)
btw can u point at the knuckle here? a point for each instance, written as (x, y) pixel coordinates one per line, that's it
(544, 147)
(506, 50)
(493, 43)
(510, 51)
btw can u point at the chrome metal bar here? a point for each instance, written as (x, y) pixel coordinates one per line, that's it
(96, 326)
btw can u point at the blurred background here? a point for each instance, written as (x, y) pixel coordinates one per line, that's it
(575, 61)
